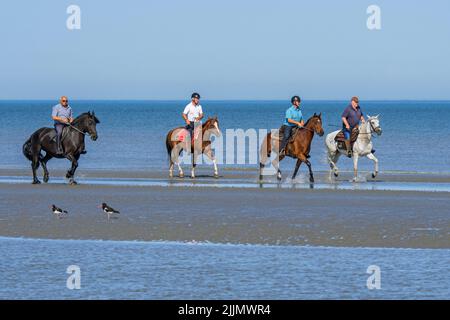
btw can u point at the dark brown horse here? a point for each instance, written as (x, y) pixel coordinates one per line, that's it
(202, 144)
(298, 148)
(73, 144)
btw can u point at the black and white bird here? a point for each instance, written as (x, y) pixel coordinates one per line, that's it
(108, 210)
(58, 211)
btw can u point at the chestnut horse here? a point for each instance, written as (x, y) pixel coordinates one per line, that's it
(298, 147)
(201, 144)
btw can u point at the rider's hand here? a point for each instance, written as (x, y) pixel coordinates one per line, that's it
(347, 127)
(188, 122)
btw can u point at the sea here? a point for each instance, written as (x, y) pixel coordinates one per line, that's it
(132, 133)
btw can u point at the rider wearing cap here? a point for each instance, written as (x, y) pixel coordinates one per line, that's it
(294, 118)
(192, 113)
(351, 117)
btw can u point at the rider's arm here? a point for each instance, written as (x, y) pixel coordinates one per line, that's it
(200, 117)
(60, 119)
(344, 120)
(300, 124)
(362, 118)
(185, 118)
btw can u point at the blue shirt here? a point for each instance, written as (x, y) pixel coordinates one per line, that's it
(293, 113)
(60, 111)
(353, 116)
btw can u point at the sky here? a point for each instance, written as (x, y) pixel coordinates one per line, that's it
(225, 50)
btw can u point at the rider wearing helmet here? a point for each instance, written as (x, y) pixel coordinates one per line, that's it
(294, 118)
(192, 113)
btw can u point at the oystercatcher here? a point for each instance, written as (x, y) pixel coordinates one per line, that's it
(58, 211)
(108, 210)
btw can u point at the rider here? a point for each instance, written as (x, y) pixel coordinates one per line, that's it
(294, 118)
(351, 117)
(62, 115)
(192, 113)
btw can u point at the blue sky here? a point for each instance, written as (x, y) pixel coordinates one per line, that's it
(225, 50)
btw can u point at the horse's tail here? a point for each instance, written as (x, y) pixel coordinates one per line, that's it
(168, 144)
(266, 149)
(26, 149)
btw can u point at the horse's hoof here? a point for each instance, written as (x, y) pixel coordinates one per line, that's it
(181, 175)
(216, 175)
(73, 183)
(68, 176)
(374, 175)
(336, 174)
(36, 182)
(45, 179)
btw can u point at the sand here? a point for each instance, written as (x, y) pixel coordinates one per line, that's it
(349, 218)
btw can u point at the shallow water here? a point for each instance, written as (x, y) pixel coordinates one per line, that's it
(248, 183)
(36, 269)
(132, 133)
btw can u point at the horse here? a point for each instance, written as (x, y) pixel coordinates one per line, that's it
(72, 143)
(298, 148)
(201, 144)
(361, 147)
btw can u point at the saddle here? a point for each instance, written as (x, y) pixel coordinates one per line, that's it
(184, 133)
(64, 133)
(280, 134)
(340, 138)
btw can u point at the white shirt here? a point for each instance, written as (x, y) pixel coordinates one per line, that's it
(192, 111)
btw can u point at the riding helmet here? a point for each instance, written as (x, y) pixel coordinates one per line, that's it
(295, 98)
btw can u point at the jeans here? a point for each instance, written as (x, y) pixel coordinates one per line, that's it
(286, 136)
(347, 132)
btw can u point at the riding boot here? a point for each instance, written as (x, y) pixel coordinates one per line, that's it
(59, 150)
(349, 148)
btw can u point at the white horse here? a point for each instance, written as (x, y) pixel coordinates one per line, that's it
(362, 146)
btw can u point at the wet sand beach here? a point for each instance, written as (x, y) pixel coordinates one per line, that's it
(277, 216)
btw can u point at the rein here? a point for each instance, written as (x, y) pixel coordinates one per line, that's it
(76, 129)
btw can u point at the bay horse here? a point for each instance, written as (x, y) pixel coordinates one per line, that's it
(298, 147)
(201, 144)
(72, 143)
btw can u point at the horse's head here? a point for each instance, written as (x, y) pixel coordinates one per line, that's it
(87, 122)
(374, 123)
(315, 123)
(212, 126)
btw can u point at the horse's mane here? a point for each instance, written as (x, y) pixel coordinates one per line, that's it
(84, 115)
(208, 122)
(313, 116)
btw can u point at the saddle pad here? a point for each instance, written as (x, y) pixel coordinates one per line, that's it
(340, 136)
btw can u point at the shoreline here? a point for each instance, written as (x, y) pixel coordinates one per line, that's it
(228, 173)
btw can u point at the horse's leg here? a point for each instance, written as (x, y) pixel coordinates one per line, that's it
(371, 156)
(311, 176)
(34, 167)
(332, 163)
(71, 172)
(355, 166)
(264, 154)
(276, 165)
(297, 166)
(44, 166)
(194, 159)
(210, 154)
(36, 151)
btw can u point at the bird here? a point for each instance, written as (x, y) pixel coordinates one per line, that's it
(108, 210)
(58, 211)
